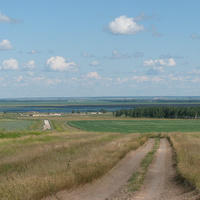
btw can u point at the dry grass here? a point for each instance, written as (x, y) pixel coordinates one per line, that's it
(187, 147)
(33, 167)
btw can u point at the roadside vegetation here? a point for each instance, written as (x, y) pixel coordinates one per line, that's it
(187, 149)
(33, 167)
(137, 179)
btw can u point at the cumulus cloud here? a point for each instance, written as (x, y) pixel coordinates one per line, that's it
(5, 45)
(124, 26)
(58, 63)
(10, 64)
(5, 19)
(161, 62)
(92, 75)
(30, 65)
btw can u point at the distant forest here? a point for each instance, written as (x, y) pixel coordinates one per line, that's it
(160, 112)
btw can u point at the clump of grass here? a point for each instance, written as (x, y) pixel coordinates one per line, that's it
(33, 167)
(57, 125)
(17, 134)
(137, 179)
(187, 149)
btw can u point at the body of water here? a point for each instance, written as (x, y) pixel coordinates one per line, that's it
(81, 108)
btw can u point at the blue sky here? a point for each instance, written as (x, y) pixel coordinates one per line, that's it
(68, 48)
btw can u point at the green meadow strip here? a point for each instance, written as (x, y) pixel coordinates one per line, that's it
(137, 179)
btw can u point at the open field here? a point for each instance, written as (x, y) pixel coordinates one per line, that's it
(9, 124)
(138, 126)
(35, 164)
(187, 146)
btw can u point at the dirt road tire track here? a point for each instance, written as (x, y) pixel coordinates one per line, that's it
(160, 183)
(112, 182)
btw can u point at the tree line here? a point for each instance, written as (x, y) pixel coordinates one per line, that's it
(160, 112)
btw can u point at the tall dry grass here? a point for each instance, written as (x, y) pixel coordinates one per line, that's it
(187, 147)
(33, 167)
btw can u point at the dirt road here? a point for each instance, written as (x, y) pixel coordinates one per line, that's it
(46, 125)
(111, 183)
(160, 183)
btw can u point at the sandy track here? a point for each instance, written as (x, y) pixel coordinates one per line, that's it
(46, 125)
(158, 174)
(112, 182)
(160, 183)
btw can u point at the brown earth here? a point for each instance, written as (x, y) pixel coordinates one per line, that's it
(160, 183)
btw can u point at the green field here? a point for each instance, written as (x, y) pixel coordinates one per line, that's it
(138, 126)
(15, 124)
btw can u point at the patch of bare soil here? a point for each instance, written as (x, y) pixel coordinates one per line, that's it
(46, 125)
(161, 183)
(112, 182)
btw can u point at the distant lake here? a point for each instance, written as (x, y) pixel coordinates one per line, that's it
(81, 108)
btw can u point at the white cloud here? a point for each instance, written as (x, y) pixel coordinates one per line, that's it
(94, 63)
(5, 45)
(58, 63)
(141, 78)
(148, 63)
(30, 65)
(5, 19)
(92, 75)
(11, 64)
(161, 62)
(125, 26)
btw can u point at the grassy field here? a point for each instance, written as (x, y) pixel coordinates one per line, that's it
(9, 124)
(35, 166)
(138, 126)
(187, 148)
(35, 163)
